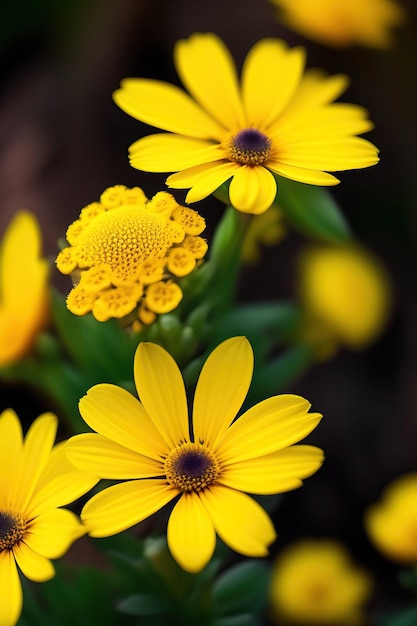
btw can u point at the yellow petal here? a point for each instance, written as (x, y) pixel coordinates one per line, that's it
(302, 175)
(207, 70)
(164, 152)
(270, 76)
(332, 155)
(161, 389)
(273, 473)
(252, 189)
(202, 179)
(11, 597)
(116, 414)
(191, 535)
(52, 533)
(121, 506)
(267, 427)
(316, 89)
(221, 389)
(165, 106)
(239, 521)
(105, 458)
(11, 439)
(33, 565)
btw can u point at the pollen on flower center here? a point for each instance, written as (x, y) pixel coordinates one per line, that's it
(250, 147)
(191, 467)
(12, 530)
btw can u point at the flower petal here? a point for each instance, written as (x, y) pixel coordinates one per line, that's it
(267, 427)
(273, 473)
(165, 106)
(11, 596)
(107, 459)
(161, 389)
(164, 152)
(121, 506)
(239, 521)
(317, 89)
(52, 533)
(11, 442)
(252, 189)
(116, 414)
(270, 75)
(207, 70)
(302, 175)
(33, 565)
(332, 155)
(221, 389)
(191, 535)
(202, 179)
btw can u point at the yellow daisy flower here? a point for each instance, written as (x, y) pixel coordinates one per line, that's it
(279, 120)
(343, 22)
(23, 287)
(127, 253)
(314, 582)
(35, 479)
(150, 445)
(391, 523)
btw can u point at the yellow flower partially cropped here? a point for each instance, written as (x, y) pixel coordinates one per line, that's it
(207, 467)
(35, 479)
(342, 23)
(265, 229)
(391, 523)
(23, 287)
(315, 583)
(345, 294)
(277, 120)
(127, 254)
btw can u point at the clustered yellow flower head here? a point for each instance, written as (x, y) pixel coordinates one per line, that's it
(277, 120)
(315, 582)
(127, 253)
(391, 523)
(341, 23)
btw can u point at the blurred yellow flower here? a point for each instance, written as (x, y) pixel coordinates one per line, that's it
(149, 444)
(127, 253)
(314, 582)
(35, 479)
(23, 287)
(279, 120)
(391, 523)
(341, 23)
(345, 295)
(265, 229)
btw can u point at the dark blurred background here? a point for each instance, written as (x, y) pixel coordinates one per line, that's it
(63, 141)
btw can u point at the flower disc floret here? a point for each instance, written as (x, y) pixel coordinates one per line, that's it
(125, 243)
(12, 529)
(191, 467)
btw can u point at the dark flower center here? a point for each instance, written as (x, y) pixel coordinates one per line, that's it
(250, 147)
(12, 530)
(191, 467)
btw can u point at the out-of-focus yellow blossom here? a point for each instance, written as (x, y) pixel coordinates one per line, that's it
(314, 582)
(278, 119)
(391, 523)
(345, 294)
(23, 287)
(265, 229)
(342, 23)
(127, 253)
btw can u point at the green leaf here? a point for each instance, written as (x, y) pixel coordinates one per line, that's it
(402, 618)
(144, 604)
(242, 589)
(312, 211)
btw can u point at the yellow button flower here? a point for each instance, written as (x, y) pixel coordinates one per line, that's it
(391, 523)
(279, 120)
(345, 294)
(127, 252)
(315, 583)
(341, 23)
(35, 479)
(23, 287)
(149, 445)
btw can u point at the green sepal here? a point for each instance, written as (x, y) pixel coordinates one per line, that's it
(242, 589)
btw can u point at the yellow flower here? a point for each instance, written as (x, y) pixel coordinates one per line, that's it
(314, 582)
(278, 121)
(265, 229)
(23, 287)
(345, 295)
(343, 22)
(127, 252)
(35, 479)
(391, 523)
(149, 444)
